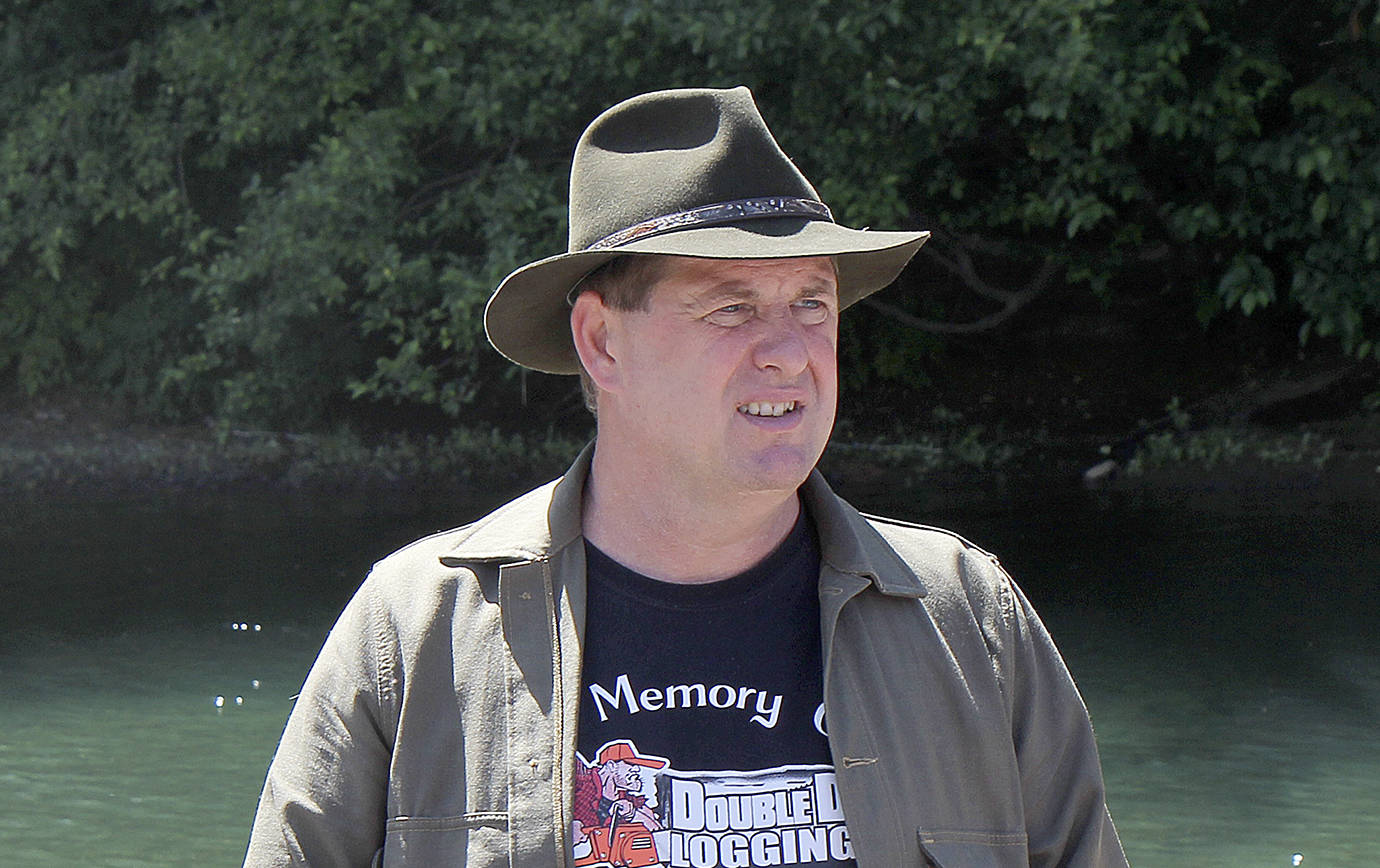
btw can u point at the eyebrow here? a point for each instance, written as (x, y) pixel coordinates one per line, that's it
(737, 289)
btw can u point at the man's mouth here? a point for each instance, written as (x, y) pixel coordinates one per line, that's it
(767, 408)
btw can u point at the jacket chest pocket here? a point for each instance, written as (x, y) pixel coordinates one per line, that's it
(973, 850)
(472, 841)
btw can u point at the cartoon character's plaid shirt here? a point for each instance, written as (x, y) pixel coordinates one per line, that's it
(588, 790)
(590, 807)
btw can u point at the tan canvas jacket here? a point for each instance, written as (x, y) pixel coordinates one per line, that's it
(437, 727)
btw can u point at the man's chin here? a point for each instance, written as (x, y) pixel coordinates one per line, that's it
(780, 469)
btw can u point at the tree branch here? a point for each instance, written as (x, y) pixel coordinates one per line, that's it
(426, 194)
(1012, 301)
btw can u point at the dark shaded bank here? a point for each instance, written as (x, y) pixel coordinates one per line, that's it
(80, 449)
(93, 449)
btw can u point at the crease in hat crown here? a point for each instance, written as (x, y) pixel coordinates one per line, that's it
(688, 172)
(674, 151)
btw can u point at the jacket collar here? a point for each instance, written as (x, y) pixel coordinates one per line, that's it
(532, 527)
(850, 543)
(536, 525)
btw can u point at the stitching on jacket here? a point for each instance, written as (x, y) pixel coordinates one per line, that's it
(896, 522)
(973, 836)
(486, 819)
(559, 788)
(510, 681)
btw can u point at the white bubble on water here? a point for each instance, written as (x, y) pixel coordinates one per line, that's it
(219, 701)
(254, 684)
(1297, 860)
(258, 628)
(239, 700)
(234, 626)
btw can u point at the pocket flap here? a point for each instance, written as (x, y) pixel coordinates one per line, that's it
(974, 849)
(478, 840)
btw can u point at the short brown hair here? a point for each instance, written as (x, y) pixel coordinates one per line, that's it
(624, 283)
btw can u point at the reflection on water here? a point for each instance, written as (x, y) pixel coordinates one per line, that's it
(150, 652)
(114, 753)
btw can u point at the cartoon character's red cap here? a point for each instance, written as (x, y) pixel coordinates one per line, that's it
(623, 751)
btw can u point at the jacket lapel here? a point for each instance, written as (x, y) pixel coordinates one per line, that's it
(849, 543)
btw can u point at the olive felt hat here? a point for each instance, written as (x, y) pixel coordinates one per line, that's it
(690, 172)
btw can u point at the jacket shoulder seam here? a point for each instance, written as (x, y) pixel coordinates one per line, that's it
(880, 520)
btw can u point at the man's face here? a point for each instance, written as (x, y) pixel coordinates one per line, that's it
(729, 378)
(623, 776)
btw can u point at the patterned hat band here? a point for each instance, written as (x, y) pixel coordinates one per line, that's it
(718, 213)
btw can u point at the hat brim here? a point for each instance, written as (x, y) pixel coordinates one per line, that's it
(528, 321)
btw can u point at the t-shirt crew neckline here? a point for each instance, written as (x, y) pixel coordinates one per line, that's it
(785, 561)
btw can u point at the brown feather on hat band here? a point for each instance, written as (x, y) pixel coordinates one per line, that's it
(718, 213)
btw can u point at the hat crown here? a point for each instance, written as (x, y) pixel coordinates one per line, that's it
(672, 151)
(691, 172)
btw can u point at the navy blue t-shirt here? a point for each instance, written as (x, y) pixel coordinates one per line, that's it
(702, 739)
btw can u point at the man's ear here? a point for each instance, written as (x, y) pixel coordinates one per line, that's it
(590, 320)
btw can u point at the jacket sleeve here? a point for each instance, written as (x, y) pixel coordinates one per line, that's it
(1067, 821)
(324, 800)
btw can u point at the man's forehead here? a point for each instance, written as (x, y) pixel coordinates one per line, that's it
(715, 277)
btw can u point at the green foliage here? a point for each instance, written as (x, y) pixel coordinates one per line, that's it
(908, 455)
(263, 210)
(424, 465)
(1213, 446)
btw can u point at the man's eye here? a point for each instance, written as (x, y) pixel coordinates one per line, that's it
(812, 310)
(731, 314)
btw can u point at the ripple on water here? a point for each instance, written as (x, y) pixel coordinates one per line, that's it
(113, 746)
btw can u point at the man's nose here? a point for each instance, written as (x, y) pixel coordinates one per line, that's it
(781, 345)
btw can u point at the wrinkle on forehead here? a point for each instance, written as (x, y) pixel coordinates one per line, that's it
(814, 282)
(735, 290)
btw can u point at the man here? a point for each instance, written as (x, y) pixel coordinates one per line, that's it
(798, 684)
(608, 793)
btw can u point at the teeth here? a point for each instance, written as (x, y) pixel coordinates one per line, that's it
(767, 408)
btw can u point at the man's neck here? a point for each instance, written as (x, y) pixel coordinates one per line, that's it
(681, 536)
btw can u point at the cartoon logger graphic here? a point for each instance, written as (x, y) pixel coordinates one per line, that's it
(613, 823)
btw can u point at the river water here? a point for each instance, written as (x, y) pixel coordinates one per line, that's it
(1229, 654)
